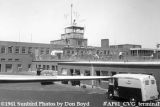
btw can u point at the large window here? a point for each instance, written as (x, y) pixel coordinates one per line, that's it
(17, 49)
(29, 66)
(48, 67)
(79, 43)
(44, 67)
(113, 73)
(3, 59)
(47, 51)
(3, 49)
(87, 73)
(19, 67)
(98, 73)
(77, 71)
(29, 50)
(42, 51)
(10, 49)
(104, 73)
(8, 68)
(23, 50)
(53, 67)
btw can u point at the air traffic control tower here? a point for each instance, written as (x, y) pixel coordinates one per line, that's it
(73, 37)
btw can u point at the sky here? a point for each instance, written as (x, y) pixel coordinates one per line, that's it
(120, 21)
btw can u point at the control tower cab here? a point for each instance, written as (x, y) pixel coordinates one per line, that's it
(73, 37)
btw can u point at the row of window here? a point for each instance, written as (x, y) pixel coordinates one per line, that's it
(47, 67)
(104, 52)
(23, 50)
(9, 67)
(9, 59)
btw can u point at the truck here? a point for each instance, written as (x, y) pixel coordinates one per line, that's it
(133, 87)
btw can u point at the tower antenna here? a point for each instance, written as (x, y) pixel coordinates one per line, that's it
(71, 13)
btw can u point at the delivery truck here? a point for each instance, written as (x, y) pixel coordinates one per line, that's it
(134, 87)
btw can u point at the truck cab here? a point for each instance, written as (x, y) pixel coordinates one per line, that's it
(134, 87)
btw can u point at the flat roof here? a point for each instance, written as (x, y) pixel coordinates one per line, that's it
(115, 62)
(142, 65)
(135, 76)
(152, 49)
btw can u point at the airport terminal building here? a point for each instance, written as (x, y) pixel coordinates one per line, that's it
(73, 46)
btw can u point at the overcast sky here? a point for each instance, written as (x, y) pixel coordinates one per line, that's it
(121, 21)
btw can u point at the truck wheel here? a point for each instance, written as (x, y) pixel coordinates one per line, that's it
(133, 100)
(109, 95)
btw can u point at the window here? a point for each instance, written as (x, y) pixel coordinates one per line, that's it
(152, 82)
(68, 51)
(47, 67)
(10, 59)
(42, 51)
(87, 73)
(3, 49)
(56, 67)
(113, 73)
(23, 50)
(29, 65)
(19, 67)
(104, 73)
(10, 49)
(81, 52)
(16, 59)
(79, 43)
(17, 49)
(147, 82)
(77, 72)
(98, 73)
(29, 50)
(97, 51)
(8, 68)
(44, 67)
(3, 59)
(39, 66)
(105, 52)
(47, 51)
(53, 67)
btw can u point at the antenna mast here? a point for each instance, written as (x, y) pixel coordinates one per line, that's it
(71, 13)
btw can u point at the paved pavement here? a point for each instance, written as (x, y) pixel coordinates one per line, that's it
(36, 95)
(55, 95)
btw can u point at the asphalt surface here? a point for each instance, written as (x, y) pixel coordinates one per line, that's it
(57, 95)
